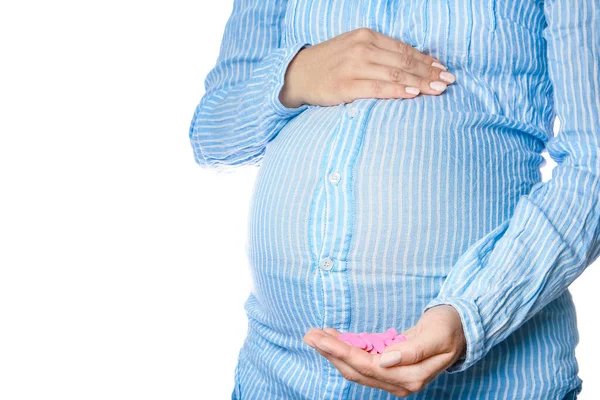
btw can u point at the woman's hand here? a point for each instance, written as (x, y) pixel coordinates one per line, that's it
(361, 63)
(433, 344)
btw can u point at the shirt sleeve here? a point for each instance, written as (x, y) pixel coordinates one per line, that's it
(526, 262)
(240, 111)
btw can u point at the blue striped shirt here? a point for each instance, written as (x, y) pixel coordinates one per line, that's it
(366, 214)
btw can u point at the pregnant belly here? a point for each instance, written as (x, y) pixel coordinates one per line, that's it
(419, 188)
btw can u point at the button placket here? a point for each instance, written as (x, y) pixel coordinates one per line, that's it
(337, 190)
(337, 217)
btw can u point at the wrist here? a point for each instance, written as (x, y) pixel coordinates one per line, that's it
(460, 343)
(289, 96)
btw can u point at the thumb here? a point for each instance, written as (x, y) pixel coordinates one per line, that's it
(411, 351)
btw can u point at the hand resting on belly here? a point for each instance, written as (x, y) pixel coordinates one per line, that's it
(361, 63)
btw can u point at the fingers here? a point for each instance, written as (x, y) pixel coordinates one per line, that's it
(409, 377)
(368, 35)
(400, 76)
(415, 376)
(381, 57)
(337, 352)
(359, 366)
(333, 332)
(352, 375)
(336, 347)
(420, 347)
(381, 89)
(400, 47)
(413, 66)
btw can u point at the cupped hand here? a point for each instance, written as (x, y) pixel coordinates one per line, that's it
(436, 342)
(361, 63)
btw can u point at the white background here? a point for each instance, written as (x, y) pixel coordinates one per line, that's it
(123, 273)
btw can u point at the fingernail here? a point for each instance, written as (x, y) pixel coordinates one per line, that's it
(437, 64)
(437, 85)
(412, 90)
(447, 76)
(390, 358)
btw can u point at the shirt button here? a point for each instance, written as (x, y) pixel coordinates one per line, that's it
(327, 264)
(352, 112)
(334, 177)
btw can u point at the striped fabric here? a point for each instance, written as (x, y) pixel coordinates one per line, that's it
(366, 214)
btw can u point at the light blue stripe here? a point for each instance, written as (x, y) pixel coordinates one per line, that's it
(440, 199)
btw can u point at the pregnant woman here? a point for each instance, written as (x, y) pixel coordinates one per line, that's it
(399, 145)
